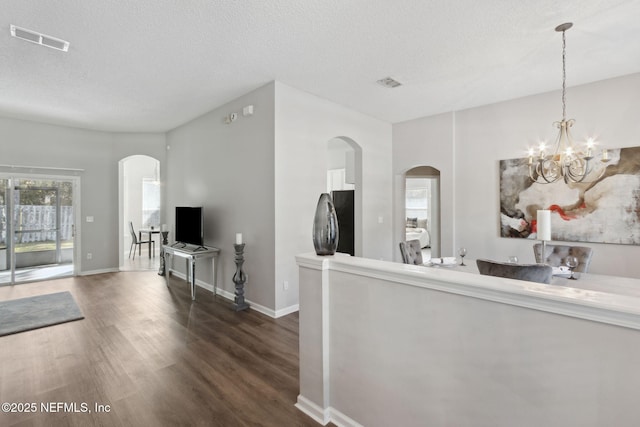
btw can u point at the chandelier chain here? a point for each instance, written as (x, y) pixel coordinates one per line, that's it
(564, 77)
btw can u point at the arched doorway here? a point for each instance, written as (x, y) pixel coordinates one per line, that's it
(344, 183)
(422, 208)
(139, 196)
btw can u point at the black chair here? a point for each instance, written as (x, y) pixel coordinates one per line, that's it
(411, 252)
(556, 255)
(136, 242)
(531, 272)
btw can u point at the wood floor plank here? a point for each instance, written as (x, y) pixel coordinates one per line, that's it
(152, 357)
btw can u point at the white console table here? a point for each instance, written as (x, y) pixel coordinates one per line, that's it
(192, 253)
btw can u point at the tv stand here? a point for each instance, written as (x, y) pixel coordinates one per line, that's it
(191, 254)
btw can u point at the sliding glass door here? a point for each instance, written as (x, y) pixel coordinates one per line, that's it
(37, 229)
(5, 259)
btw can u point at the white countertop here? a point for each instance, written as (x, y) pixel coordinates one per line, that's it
(608, 299)
(585, 281)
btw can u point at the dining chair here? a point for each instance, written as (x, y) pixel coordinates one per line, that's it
(411, 252)
(555, 255)
(137, 242)
(540, 273)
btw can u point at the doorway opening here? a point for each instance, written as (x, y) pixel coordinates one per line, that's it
(37, 227)
(140, 205)
(344, 184)
(422, 209)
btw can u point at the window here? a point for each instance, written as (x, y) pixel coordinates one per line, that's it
(150, 203)
(417, 198)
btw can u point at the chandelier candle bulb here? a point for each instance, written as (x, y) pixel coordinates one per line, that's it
(238, 238)
(544, 225)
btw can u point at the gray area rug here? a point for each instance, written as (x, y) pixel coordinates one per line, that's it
(25, 314)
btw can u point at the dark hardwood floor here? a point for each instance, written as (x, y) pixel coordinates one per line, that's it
(154, 357)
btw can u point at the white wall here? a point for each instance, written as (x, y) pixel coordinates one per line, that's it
(304, 126)
(262, 176)
(228, 169)
(468, 150)
(27, 143)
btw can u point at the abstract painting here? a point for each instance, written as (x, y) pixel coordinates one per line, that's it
(604, 210)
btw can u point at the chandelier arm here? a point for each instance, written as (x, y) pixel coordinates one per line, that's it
(600, 175)
(538, 175)
(591, 179)
(580, 176)
(548, 178)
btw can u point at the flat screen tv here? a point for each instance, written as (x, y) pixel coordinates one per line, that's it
(189, 225)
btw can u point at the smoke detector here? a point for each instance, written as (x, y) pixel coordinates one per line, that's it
(389, 82)
(38, 38)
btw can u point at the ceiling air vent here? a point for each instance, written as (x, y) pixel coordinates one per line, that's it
(38, 38)
(389, 82)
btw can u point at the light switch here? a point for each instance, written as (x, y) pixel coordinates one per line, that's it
(89, 219)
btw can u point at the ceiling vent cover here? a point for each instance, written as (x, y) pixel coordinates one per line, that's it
(38, 38)
(389, 82)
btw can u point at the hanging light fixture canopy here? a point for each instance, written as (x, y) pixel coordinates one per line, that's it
(569, 162)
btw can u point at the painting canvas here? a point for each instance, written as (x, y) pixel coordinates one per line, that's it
(604, 210)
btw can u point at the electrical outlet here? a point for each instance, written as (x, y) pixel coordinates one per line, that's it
(89, 255)
(285, 285)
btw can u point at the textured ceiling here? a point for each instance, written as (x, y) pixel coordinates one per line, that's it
(152, 65)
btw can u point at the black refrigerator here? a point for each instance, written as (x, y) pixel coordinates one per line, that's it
(343, 200)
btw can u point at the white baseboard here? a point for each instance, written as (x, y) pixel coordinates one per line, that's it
(260, 308)
(313, 410)
(105, 270)
(325, 416)
(341, 420)
(231, 296)
(287, 310)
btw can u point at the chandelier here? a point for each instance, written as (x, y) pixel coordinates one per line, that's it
(571, 163)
